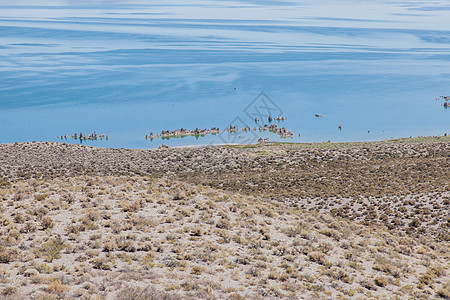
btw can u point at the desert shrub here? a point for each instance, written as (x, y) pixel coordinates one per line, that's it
(92, 215)
(291, 231)
(273, 275)
(381, 281)
(14, 234)
(19, 218)
(126, 245)
(5, 255)
(436, 271)
(110, 245)
(190, 286)
(368, 284)
(426, 278)
(52, 249)
(325, 247)
(147, 260)
(444, 292)
(178, 194)
(45, 296)
(41, 211)
(56, 287)
(340, 274)
(253, 271)
(281, 251)
(141, 222)
(266, 210)
(224, 235)
(134, 206)
(406, 250)
(355, 266)
(5, 221)
(224, 214)
(40, 197)
(242, 260)
(47, 223)
(169, 219)
(87, 224)
(43, 268)
(147, 246)
(73, 229)
(223, 224)
(28, 227)
(283, 277)
(5, 184)
(318, 257)
(185, 212)
(68, 198)
(3, 274)
(415, 223)
(196, 231)
(9, 291)
(101, 264)
(197, 270)
(387, 268)
(147, 293)
(170, 262)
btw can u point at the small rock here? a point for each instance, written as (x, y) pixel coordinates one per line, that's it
(30, 273)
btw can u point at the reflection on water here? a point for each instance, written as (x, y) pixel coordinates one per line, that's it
(129, 67)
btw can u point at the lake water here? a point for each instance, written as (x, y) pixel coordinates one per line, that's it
(125, 68)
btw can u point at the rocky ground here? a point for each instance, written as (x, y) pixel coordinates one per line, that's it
(276, 221)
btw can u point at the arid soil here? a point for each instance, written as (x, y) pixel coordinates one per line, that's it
(390, 183)
(317, 221)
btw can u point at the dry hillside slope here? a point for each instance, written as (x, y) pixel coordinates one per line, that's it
(317, 221)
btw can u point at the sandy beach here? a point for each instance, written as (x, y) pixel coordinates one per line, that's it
(295, 221)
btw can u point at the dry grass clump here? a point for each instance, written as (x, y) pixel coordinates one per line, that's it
(143, 293)
(52, 249)
(381, 281)
(444, 292)
(136, 237)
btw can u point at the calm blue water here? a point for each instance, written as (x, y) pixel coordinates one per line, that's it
(128, 67)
